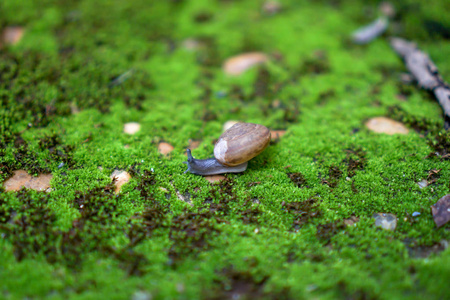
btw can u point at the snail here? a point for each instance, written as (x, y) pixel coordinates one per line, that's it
(232, 151)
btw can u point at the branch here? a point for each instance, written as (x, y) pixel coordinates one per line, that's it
(425, 72)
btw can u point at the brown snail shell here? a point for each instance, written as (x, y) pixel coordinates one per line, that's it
(240, 143)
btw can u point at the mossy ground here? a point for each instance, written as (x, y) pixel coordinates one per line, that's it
(275, 231)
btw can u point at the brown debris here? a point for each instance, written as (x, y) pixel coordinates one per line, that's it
(22, 179)
(441, 211)
(120, 177)
(165, 148)
(238, 64)
(386, 125)
(214, 178)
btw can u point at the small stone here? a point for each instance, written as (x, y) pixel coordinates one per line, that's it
(131, 128)
(416, 214)
(165, 148)
(191, 44)
(122, 177)
(13, 34)
(271, 7)
(387, 9)
(351, 221)
(141, 295)
(238, 64)
(22, 179)
(193, 144)
(276, 134)
(441, 211)
(423, 183)
(229, 124)
(385, 221)
(386, 125)
(61, 165)
(214, 178)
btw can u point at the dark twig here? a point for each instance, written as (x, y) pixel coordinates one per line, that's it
(425, 72)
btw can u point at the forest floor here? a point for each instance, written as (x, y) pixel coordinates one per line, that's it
(298, 223)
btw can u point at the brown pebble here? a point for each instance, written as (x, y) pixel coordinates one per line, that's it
(165, 148)
(276, 134)
(386, 125)
(12, 34)
(122, 177)
(193, 144)
(238, 64)
(214, 178)
(22, 179)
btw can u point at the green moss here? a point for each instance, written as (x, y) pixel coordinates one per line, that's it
(83, 69)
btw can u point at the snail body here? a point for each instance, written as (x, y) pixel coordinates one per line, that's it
(233, 150)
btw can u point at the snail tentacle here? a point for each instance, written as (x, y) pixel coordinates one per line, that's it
(210, 166)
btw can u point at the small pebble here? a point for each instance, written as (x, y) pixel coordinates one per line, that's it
(194, 144)
(12, 34)
(276, 134)
(214, 178)
(22, 179)
(60, 165)
(387, 9)
(165, 148)
(416, 214)
(229, 124)
(385, 221)
(238, 64)
(271, 7)
(386, 125)
(131, 128)
(122, 177)
(351, 221)
(423, 183)
(141, 295)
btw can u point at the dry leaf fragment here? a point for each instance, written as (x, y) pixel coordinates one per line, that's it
(441, 211)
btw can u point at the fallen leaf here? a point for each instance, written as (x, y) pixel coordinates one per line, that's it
(386, 125)
(441, 211)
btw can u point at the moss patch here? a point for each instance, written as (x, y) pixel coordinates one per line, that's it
(83, 69)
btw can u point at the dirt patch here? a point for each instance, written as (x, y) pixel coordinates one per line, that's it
(303, 212)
